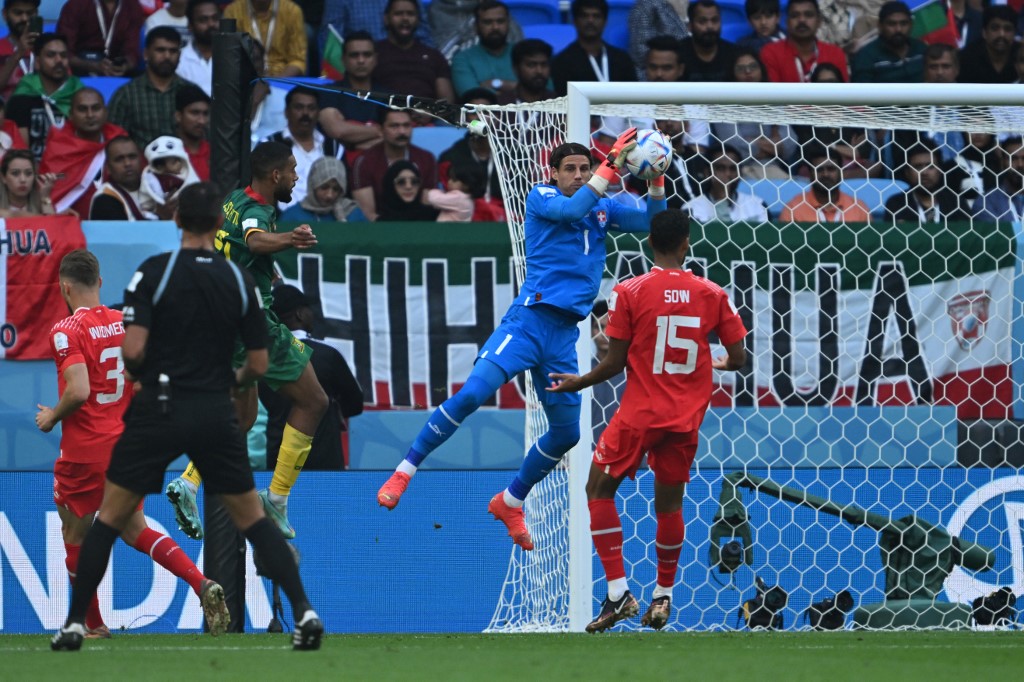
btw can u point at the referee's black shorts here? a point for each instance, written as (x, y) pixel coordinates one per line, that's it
(203, 425)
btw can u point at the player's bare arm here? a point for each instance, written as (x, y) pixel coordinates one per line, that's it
(612, 364)
(133, 347)
(75, 394)
(263, 243)
(253, 369)
(736, 357)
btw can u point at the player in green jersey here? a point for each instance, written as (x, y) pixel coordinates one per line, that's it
(249, 237)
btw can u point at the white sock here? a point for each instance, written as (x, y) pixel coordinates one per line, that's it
(280, 501)
(617, 588)
(660, 591)
(407, 468)
(511, 500)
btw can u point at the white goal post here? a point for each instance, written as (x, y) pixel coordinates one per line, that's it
(557, 587)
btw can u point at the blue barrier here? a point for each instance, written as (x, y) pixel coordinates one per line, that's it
(436, 563)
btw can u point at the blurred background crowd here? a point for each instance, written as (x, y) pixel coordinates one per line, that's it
(106, 103)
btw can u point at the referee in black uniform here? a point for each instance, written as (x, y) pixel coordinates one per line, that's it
(183, 312)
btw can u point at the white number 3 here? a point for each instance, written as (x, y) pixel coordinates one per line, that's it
(116, 375)
(668, 325)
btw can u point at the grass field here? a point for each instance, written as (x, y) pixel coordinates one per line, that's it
(821, 657)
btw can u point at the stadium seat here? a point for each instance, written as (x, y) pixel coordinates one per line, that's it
(874, 191)
(436, 139)
(774, 193)
(528, 12)
(617, 34)
(558, 36)
(733, 29)
(105, 84)
(616, 31)
(49, 10)
(734, 20)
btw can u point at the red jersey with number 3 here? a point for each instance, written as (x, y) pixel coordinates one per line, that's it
(667, 315)
(92, 336)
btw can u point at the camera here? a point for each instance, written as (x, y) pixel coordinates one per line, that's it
(995, 609)
(730, 556)
(762, 612)
(830, 613)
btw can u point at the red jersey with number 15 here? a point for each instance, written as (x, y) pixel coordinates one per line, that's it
(92, 336)
(667, 315)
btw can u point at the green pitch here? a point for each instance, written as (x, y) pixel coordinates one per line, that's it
(765, 657)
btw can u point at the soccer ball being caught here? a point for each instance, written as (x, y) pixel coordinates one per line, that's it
(651, 155)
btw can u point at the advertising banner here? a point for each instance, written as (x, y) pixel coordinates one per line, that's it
(437, 564)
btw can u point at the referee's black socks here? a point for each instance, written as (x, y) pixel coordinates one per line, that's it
(92, 564)
(279, 562)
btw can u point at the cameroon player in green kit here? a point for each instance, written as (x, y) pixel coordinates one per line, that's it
(249, 238)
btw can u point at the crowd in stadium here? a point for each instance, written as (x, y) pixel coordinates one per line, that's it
(106, 112)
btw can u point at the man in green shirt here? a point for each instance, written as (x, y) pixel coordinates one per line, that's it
(892, 57)
(488, 64)
(249, 237)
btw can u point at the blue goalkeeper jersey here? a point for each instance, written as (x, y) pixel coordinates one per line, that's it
(565, 251)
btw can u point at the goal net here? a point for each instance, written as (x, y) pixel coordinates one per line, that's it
(868, 237)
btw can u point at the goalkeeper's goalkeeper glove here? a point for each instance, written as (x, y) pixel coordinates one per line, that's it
(656, 187)
(612, 164)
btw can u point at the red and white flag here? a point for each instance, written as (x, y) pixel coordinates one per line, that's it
(78, 162)
(30, 302)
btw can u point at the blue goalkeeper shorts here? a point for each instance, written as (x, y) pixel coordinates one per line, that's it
(541, 339)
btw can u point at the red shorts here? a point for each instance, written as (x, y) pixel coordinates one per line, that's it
(78, 486)
(669, 453)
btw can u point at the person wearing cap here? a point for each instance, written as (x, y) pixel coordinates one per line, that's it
(326, 200)
(345, 396)
(894, 56)
(167, 171)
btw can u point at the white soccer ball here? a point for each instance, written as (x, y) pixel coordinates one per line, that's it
(651, 155)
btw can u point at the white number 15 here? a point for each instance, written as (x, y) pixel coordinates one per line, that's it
(668, 326)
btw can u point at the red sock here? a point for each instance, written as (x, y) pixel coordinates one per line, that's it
(606, 532)
(93, 617)
(668, 543)
(166, 552)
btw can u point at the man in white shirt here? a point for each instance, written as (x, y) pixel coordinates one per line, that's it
(171, 14)
(719, 200)
(196, 62)
(308, 144)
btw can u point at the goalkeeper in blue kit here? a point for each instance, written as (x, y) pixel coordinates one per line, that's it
(565, 226)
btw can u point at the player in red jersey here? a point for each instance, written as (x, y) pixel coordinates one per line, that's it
(94, 394)
(658, 331)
